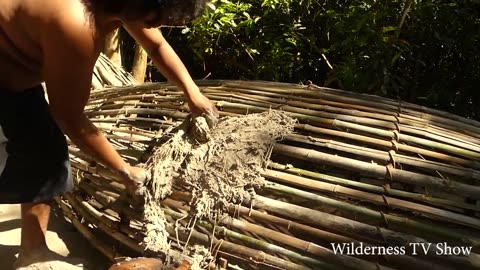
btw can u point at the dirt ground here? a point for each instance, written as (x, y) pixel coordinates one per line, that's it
(62, 238)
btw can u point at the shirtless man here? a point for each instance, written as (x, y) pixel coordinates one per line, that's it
(58, 42)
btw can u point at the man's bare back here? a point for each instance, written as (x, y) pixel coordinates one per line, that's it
(23, 24)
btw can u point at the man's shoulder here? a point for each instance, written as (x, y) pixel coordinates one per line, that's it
(70, 13)
(70, 24)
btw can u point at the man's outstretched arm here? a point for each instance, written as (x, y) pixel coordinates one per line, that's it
(170, 65)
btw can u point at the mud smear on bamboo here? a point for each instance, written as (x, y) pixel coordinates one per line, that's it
(218, 167)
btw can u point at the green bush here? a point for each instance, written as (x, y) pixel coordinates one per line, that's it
(431, 57)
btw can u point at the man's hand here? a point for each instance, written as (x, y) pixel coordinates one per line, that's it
(200, 105)
(135, 179)
(170, 65)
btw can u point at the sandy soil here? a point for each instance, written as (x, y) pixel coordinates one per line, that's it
(62, 238)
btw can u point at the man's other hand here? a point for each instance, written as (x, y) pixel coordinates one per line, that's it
(200, 105)
(135, 180)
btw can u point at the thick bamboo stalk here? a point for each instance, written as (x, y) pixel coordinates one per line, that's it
(385, 156)
(277, 103)
(327, 255)
(377, 199)
(352, 228)
(109, 231)
(401, 224)
(139, 67)
(469, 191)
(389, 145)
(375, 189)
(106, 250)
(262, 245)
(350, 125)
(328, 237)
(156, 112)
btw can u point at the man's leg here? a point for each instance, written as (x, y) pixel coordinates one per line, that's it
(34, 226)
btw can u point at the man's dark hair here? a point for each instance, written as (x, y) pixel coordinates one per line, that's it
(173, 12)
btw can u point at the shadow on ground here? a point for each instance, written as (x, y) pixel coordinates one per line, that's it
(61, 238)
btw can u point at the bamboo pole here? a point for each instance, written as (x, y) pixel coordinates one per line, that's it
(156, 112)
(390, 145)
(350, 227)
(402, 224)
(328, 237)
(105, 228)
(359, 99)
(258, 244)
(373, 198)
(385, 156)
(345, 262)
(309, 119)
(106, 250)
(469, 191)
(277, 103)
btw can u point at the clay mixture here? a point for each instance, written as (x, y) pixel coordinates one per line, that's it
(219, 166)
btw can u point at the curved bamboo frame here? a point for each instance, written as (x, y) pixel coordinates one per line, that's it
(359, 168)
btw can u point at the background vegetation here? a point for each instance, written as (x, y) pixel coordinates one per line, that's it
(426, 52)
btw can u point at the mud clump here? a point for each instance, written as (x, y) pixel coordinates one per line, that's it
(218, 166)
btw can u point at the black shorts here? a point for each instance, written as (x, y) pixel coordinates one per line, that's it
(34, 162)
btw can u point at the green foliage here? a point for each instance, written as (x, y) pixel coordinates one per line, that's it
(253, 39)
(430, 57)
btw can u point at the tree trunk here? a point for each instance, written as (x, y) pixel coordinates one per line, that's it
(112, 47)
(139, 64)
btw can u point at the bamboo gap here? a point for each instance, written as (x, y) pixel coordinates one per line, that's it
(358, 169)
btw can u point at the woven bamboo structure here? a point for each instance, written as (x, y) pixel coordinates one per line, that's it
(108, 74)
(359, 169)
